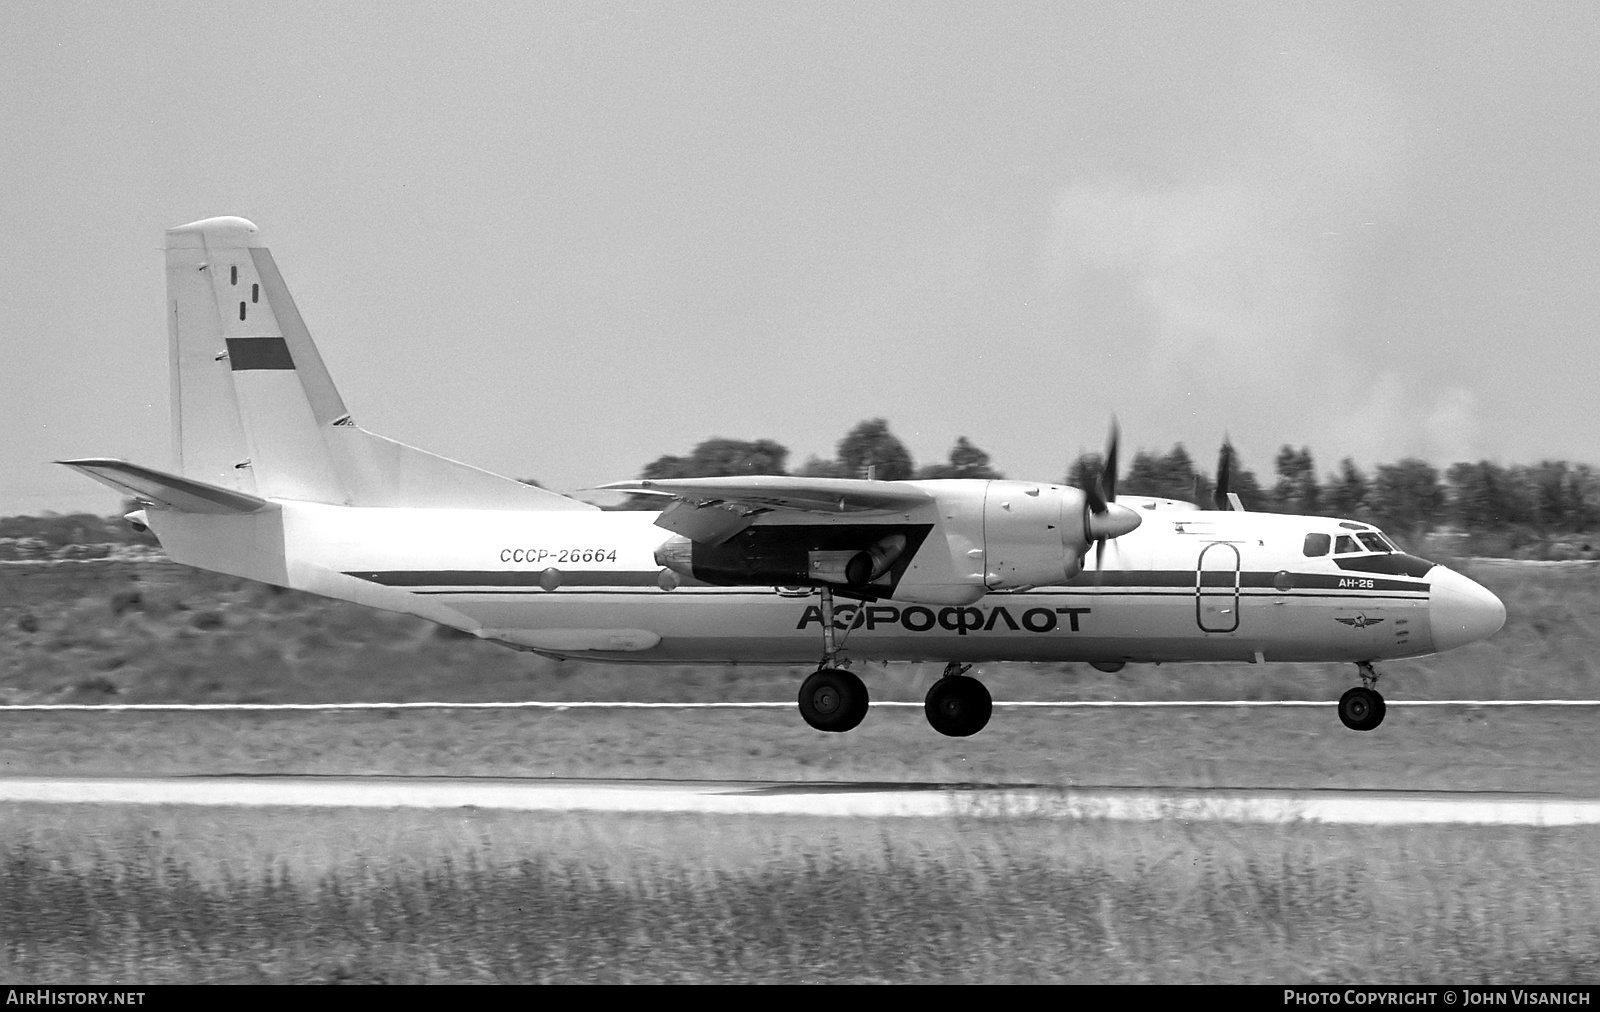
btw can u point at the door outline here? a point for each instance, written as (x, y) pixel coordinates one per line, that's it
(1223, 612)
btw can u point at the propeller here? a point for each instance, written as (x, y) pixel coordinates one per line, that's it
(1224, 475)
(1224, 469)
(1103, 519)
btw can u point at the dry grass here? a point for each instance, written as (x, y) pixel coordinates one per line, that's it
(1416, 749)
(854, 901)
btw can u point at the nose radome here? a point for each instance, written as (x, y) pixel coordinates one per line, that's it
(1460, 610)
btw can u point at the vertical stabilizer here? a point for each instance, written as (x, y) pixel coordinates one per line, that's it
(207, 433)
(229, 341)
(255, 410)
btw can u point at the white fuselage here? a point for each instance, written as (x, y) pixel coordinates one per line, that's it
(1186, 585)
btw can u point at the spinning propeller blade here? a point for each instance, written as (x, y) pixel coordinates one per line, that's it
(1224, 473)
(1101, 519)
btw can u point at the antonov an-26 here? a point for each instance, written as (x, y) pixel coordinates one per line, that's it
(275, 482)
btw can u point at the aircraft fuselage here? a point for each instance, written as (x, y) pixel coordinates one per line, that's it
(1187, 585)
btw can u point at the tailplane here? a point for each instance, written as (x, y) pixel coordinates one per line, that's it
(167, 491)
(255, 411)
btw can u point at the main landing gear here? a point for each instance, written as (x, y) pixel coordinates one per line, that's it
(957, 705)
(1362, 708)
(834, 699)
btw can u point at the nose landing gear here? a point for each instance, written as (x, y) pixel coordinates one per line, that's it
(957, 705)
(1362, 708)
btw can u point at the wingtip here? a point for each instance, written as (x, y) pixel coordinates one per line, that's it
(90, 462)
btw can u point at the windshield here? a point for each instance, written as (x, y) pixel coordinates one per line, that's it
(1360, 543)
(1375, 543)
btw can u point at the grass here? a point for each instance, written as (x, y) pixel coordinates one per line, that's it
(963, 902)
(1434, 749)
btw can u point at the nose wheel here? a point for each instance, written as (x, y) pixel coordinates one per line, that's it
(1362, 708)
(957, 705)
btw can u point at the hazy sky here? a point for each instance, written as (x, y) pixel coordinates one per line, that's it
(561, 240)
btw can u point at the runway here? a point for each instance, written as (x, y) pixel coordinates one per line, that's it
(827, 800)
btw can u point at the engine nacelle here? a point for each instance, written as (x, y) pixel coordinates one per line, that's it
(1033, 535)
(1037, 535)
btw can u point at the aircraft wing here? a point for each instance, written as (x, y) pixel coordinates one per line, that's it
(166, 490)
(712, 510)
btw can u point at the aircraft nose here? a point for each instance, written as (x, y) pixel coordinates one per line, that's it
(1460, 610)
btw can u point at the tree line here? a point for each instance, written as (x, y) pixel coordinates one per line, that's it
(1517, 503)
(1503, 508)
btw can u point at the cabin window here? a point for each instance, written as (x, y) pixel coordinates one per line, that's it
(255, 293)
(1374, 542)
(1317, 544)
(233, 277)
(241, 310)
(1345, 545)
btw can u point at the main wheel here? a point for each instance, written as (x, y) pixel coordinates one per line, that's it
(833, 700)
(958, 706)
(1361, 709)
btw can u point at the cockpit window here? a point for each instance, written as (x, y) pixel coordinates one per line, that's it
(1345, 545)
(1317, 544)
(1375, 543)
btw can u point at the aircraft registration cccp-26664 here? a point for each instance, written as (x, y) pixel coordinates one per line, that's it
(275, 482)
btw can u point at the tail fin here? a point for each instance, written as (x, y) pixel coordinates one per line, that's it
(253, 407)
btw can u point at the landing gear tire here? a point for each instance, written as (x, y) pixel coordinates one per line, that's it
(1361, 709)
(958, 706)
(833, 699)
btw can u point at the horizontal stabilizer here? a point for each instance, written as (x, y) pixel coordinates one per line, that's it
(773, 492)
(168, 491)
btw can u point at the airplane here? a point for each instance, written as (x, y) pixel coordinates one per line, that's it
(274, 481)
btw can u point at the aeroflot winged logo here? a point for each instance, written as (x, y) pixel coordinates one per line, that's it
(1359, 622)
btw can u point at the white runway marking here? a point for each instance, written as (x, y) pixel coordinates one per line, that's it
(1064, 704)
(875, 800)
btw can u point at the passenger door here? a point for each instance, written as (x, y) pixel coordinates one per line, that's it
(1216, 588)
